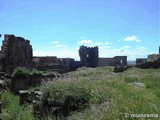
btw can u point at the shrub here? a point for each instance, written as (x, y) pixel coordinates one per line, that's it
(131, 79)
(69, 96)
(152, 81)
(35, 72)
(11, 110)
(21, 72)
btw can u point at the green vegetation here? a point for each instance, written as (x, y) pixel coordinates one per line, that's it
(11, 110)
(98, 94)
(35, 72)
(24, 72)
(21, 72)
(109, 95)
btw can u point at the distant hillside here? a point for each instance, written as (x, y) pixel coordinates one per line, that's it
(131, 62)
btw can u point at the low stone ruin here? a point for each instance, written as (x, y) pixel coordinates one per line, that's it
(119, 69)
(153, 61)
(23, 97)
(28, 97)
(22, 83)
(35, 98)
(43, 107)
(115, 61)
(51, 63)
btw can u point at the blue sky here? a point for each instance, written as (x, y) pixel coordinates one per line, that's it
(59, 27)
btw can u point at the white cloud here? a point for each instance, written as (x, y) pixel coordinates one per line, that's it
(55, 42)
(60, 53)
(104, 47)
(85, 42)
(132, 39)
(107, 43)
(142, 48)
(61, 46)
(98, 43)
(126, 47)
(132, 54)
(104, 51)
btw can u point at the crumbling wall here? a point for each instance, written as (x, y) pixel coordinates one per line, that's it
(120, 60)
(153, 61)
(139, 61)
(1, 62)
(21, 82)
(17, 52)
(71, 63)
(50, 63)
(58, 68)
(106, 62)
(115, 61)
(153, 57)
(89, 56)
(46, 60)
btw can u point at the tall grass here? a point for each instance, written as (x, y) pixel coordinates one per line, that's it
(96, 94)
(110, 95)
(11, 110)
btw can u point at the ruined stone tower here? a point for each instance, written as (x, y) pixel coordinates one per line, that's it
(15, 51)
(89, 56)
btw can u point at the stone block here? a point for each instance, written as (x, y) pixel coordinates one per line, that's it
(19, 83)
(119, 69)
(23, 94)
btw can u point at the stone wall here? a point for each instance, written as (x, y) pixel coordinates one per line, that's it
(153, 57)
(50, 63)
(71, 63)
(16, 52)
(139, 61)
(21, 83)
(46, 60)
(58, 68)
(89, 56)
(1, 62)
(24, 82)
(115, 61)
(153, 61)
(106, 62)
(120, 60)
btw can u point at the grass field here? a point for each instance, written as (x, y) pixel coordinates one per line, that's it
(97, 94)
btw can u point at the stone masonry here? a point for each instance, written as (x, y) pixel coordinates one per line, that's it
(115, 61)
(89, 56)
(15, 51)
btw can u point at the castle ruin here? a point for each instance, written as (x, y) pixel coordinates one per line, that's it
(153, 61)
(15, 51)
(89, 56)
